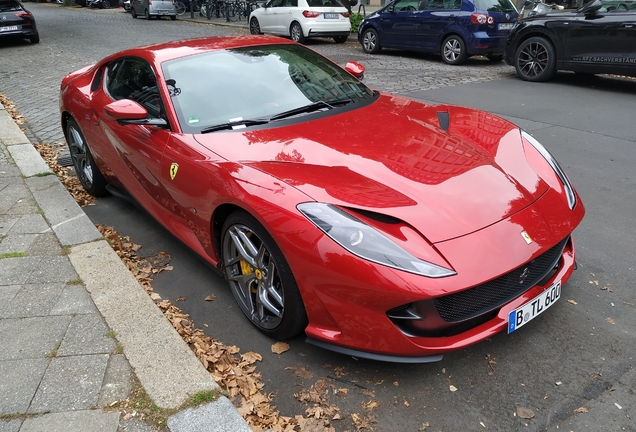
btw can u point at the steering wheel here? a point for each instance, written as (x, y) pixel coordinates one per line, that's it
(408, 8)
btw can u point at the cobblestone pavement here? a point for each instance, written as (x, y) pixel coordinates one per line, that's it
(72, 38)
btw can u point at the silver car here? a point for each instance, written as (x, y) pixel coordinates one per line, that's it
(156, 8)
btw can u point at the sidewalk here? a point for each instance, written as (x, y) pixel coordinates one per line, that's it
(68, 306)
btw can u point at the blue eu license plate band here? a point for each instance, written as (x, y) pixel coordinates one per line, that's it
(526, 313)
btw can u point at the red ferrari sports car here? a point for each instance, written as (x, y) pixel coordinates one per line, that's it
(380, 226)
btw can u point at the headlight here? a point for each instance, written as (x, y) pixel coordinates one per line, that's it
(569, 190)
(366, 242)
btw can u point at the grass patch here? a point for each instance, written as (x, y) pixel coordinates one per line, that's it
(111, 334)
(17, 416)
(66, 250)
(43, 174)
(147, 411)
(119, 349)
(13, 255)
(76, 281)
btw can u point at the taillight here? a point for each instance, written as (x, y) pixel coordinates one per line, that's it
(345, 14)
(310, 14)
(482, 19)
(23, 15)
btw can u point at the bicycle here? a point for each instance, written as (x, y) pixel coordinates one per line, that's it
(241, 8)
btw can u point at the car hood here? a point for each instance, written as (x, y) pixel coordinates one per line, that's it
(394, 157)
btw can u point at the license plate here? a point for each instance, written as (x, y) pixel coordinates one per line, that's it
(9, 28)
(504, 26)
(529, 311)
(332, 16)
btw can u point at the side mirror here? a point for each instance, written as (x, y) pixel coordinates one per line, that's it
(126, 111)
(355, 69)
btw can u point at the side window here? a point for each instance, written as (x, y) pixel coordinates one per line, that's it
(133, 78)
(406, 5)
(442, 5)
(276, 3)
(97, 80)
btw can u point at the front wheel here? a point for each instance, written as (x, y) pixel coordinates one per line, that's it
(454, 50)
(255, 28)
(260, 278)
(105, 4)
(296, 33)
(535, 60)
(87, 171)
(371, 41)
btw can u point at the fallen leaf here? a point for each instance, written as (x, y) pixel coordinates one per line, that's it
(580, 410)
(211, 297)
(406, 403)
(181, 298)
(424, 426)
(155, 296)
(452, 388)
(611, 321)
(372, 404)
(395, 383)
(300, 372)
(572, 302)
(251, 357)
(280, 347)
(525, 413)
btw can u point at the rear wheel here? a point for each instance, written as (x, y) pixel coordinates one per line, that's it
(296, 33)
(340, 39)
(535, 60)
(255, 28)
(260, 278)
(371, 41)
(35, 38)
(105, 4)
(454, 50)
(87, 171)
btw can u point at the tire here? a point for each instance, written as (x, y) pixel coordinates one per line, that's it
(173, 17)
(495, 58)
(87, 171)
(371, 41)
(260, 278)
(133, 13)
(255, 27)
(340, 39)
(35, 38)
(535, 60)
(181, 8)
(296, 33)
(147, 14)
(105, 4)
(453, 50)
(233, 12)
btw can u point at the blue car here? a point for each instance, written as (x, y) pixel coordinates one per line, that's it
(456, 29)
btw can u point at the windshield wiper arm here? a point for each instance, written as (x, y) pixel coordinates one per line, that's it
(233, 125)
(315, 106)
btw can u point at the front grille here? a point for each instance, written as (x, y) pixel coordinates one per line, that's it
(494, 294)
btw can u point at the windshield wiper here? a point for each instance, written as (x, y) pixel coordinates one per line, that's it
(312, 107)
(234, 124)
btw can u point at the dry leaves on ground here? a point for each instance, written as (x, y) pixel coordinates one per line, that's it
(280, 347)
(581, 410)
(525, 413)
(12, 110)
(301, 372)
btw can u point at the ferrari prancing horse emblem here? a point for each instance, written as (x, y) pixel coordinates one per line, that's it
(526, 237)
(173, 170)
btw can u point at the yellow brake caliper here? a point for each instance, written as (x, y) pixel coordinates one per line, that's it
(246, 268)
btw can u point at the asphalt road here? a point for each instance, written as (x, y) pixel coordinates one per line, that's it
(580, 354)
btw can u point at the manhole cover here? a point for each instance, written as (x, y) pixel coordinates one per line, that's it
(65, 161)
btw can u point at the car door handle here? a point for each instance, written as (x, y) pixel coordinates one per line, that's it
(626, 25)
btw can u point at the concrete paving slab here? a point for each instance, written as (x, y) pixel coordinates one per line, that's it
(70, 383)
(218, 416)
(30, 224)
(116, 385)
(7, 293)
(20, 381)
(86, 335)
(11, 133)
(28, 160)
(74, 300)
(7, 222)
(70, 223)
(33, 301)
(10, 426)
(173, 373)
(134, 425)
(44, 244)
(16, 199)
(16, 243)
(53, 269)
(74, 421)
(9, 170)
(27, 338)
(16, 271)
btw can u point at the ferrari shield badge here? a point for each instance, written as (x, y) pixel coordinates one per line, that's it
(173, 170)
(526, 237)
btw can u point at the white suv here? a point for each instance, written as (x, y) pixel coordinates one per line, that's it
(301, 19)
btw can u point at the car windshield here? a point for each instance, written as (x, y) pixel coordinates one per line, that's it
(256, 83)
(324, 3)
(495, 5)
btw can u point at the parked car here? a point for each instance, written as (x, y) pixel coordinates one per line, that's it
(456, 29)
(302, 19)
(428, 229)
(17, 22)
(593, 39)
(153, 8)
(618, 5)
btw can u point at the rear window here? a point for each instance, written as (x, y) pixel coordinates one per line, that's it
(323, 3)
(9, 6)
(495, 5)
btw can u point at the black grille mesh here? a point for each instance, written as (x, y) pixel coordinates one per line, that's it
(483, 298)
